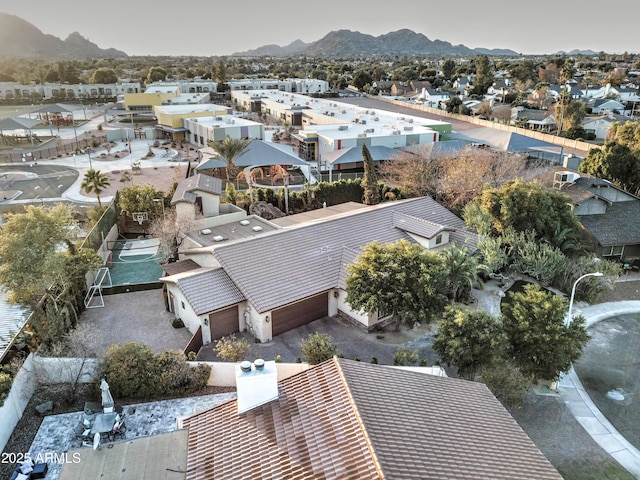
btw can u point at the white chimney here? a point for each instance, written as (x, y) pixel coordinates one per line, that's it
(256, 384)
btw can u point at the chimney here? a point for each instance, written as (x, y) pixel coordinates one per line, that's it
(256, 384)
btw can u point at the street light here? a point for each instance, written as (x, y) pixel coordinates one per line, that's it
(567, 320)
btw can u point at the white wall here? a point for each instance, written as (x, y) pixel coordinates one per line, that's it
(24, 384)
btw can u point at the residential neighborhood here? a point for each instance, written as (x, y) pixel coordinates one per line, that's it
(409, 260)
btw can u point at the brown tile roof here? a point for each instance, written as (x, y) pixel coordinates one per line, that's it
(179, 267)
(304, 260)
(350, 420)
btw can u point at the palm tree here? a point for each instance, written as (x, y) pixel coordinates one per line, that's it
(278, 172)
(95, 181)
(462, 271)
(230, 149)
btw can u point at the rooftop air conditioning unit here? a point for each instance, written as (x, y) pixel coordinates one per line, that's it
(257, 228)
(411, 120)
(361, 135)
(206, 231)
(375, 119)
(344, 112)
(369, 130)
(395, 132)
(244, 222)
(218, 118)
(218, 238)
(343, 127)
(408, 129)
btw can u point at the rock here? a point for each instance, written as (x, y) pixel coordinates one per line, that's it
(265, 210)
(44, 408)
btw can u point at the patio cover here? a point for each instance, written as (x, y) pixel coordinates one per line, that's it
(354, 154)
(257, 154)
(18, 123)
(57, 108)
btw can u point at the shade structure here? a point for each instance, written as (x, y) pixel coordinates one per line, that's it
(57, 108)
(262, 154)
(107, 399)
(18, 123)
(354, 155)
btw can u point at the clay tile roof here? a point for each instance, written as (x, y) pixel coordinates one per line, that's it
(350, 420)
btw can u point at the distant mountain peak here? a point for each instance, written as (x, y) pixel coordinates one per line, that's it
(19, 38)
(346, 42)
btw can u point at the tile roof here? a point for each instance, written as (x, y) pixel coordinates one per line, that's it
(344, 419)
(206, 289)
(179, 267)
(304, 260)
(199, 182)
(417, 226)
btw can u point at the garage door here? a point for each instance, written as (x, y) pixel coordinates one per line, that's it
(223, 322)
(300, 313)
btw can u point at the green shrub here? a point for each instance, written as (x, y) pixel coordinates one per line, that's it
(177, 323)
(507, 383)
(132, 371)
(5, 386)
(178, 377)
(318, 347)
(405, 356)
(232, 349)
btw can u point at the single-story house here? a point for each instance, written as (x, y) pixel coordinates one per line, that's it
(608, 213)
(601, 124)
(259, 276)
(344, 419)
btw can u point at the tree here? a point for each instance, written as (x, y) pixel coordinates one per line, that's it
(454, 104)
(370, 179)
(527, 206)
(139, 198)
(614, 162)
(171, 230)
(230, 149)
(156, 74)
(469, 340)
(95, 181)
(361, 78)
(462, 272)
(250, 175)
(484, 75)
(562, 105)
(447, 69)
(400, 279)
(38, 255)
(104, 75)
(318, 347)
(415, 173)
(627, 134)
(464, 175)
(538, 340)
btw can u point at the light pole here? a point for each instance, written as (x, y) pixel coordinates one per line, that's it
(568, 318)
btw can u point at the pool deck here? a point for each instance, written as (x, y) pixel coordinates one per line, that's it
(574, 395)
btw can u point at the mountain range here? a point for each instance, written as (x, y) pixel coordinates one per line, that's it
(19, 38)
(346, 43)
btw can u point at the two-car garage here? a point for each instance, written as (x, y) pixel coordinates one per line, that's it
(299, 313)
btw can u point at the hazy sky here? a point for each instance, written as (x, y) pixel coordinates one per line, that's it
(209, 28)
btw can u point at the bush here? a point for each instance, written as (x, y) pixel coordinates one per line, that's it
(134, 371)
(5, 386)
(177, 323)
(507, 383)
(318, 347)
(231, 349)
(178, 377)
(405, 356)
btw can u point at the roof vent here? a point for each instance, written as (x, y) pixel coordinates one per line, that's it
(257, 228)
(256, 384)
(218, 238)
(206, 231)
(244, 222)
